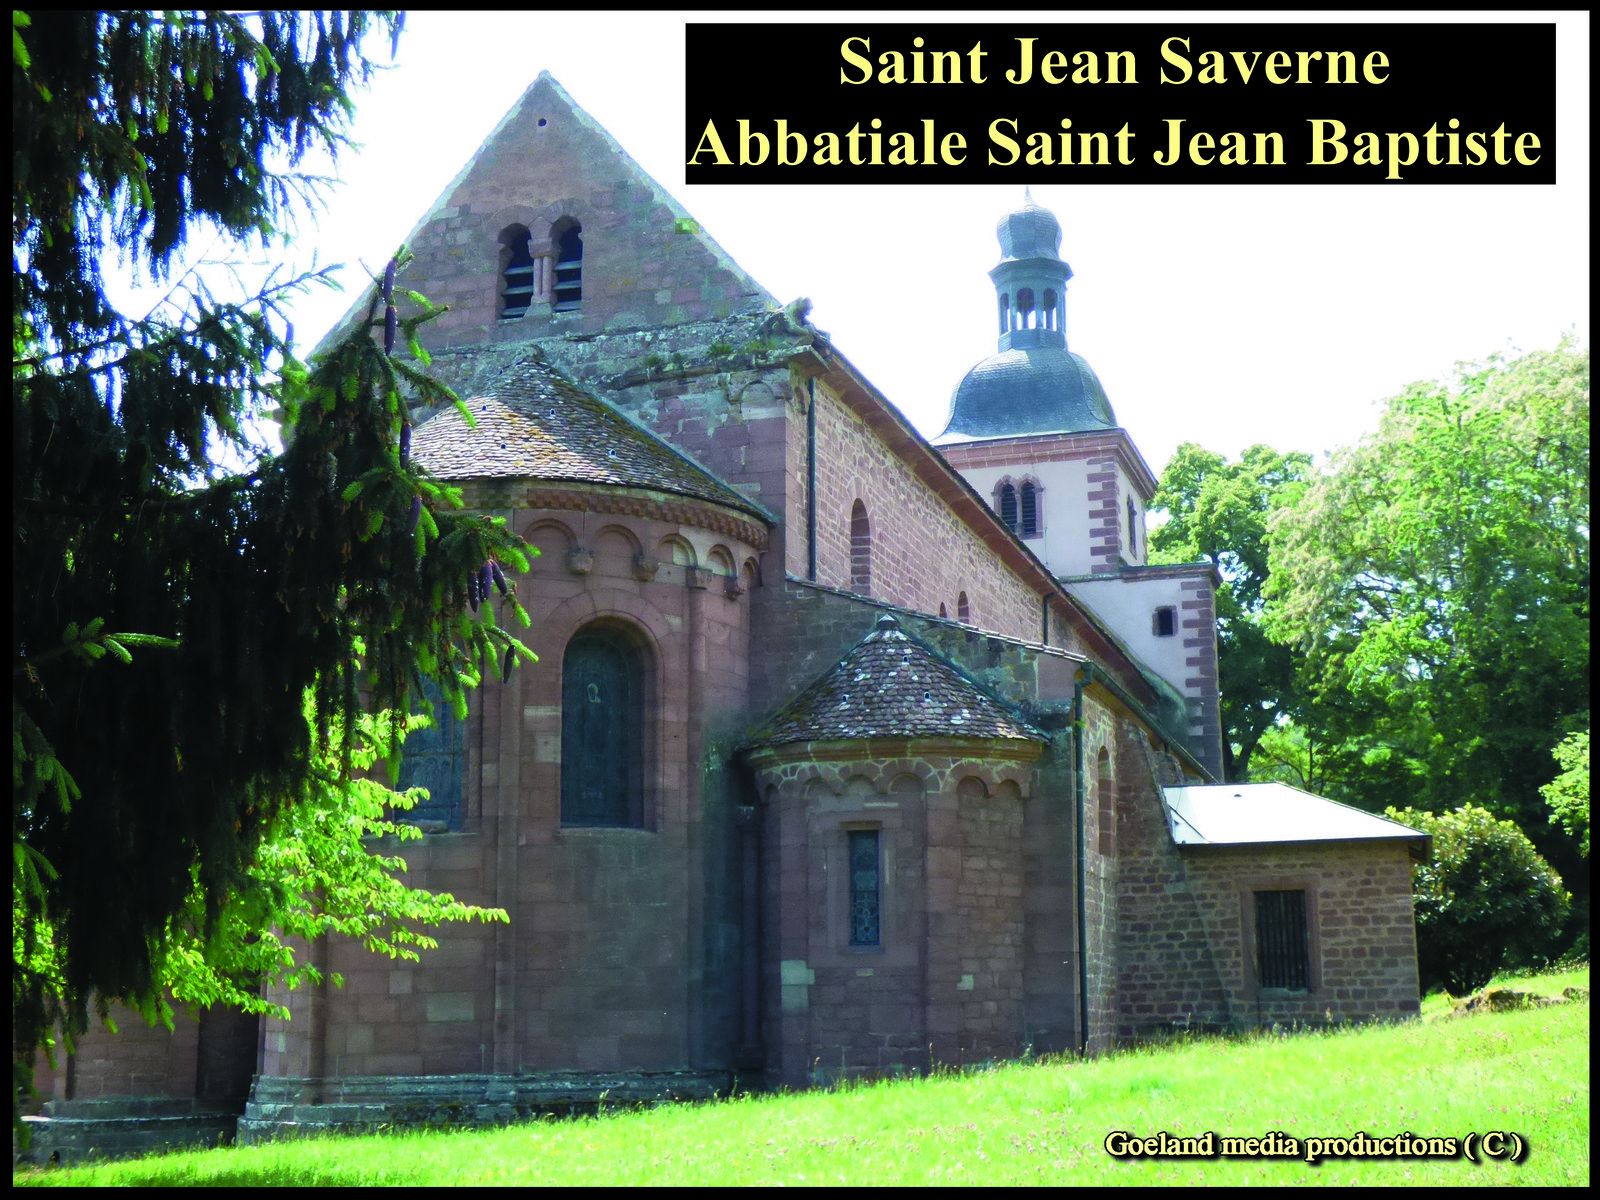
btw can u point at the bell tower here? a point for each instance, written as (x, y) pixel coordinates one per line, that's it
(1032, 431)
(1030, 281)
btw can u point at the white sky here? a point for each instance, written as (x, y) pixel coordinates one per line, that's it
(1225, 315)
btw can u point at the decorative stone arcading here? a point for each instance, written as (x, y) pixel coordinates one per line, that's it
(786, 772)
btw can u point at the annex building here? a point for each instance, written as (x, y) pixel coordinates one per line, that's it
(848, 753)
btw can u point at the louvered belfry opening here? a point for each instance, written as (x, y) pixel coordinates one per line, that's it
(1008, 506)
(1281, 942)
(518, 273)
(1030, 510)
(602, 730)
(567, 243)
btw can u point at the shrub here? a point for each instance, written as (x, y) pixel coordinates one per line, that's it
(1485, 900)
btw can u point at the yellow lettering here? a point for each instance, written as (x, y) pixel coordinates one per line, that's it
(714, 148)
(1177, 60)
(856, 60)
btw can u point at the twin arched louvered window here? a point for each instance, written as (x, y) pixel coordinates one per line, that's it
(1019, 507)
(551, 272)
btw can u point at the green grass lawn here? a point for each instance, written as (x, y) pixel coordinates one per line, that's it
(1043, 1123)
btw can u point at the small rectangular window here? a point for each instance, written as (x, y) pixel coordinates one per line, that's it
(1281, 941)
(1166, 622)
(866, 888)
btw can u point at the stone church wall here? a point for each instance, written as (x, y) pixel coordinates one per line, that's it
(923, 555)
(623, 952)
(1363, 953)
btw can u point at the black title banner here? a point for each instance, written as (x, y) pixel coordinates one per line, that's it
(1175, 102)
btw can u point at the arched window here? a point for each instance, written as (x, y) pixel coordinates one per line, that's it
(517, 270)
(860, 550)
(566, 245)
(1133, 528)
(1051, 313)
(1106, 795)
(963, 610)
(434, 758)
(1008, 506)
(1030, 510)
(942, 611)
(602, 729)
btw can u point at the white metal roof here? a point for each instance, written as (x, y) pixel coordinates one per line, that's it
(1235, 814)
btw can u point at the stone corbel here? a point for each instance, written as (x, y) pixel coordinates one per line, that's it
(698, 577)
(580, 561)
(644, 569)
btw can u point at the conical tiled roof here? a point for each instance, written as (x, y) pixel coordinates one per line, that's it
(536, 424)
(892, 686)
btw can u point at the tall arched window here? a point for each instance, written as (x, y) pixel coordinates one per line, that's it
(602, 729)
(1133, 528)
(566, 244)
(518, 271)
(1007, 505)
(434, 758)
(860, 550)
(963, 609)
(1030, 510)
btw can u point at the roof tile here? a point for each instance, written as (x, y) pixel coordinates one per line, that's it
(890, 685)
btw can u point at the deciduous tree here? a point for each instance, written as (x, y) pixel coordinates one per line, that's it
(1217, 511)
(1436, 577)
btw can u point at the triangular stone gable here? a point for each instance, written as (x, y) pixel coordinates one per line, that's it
(645, 261)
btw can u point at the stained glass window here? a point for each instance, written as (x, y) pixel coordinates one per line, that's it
(866, 888)
(433, 758)
(602, 731)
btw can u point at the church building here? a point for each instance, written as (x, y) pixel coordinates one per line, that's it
(847, 754)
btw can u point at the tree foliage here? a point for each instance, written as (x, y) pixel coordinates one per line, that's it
(324, 867)
(1436, 578)
(1568, 793)
(171, 618)
(1217, 511)
(1485, 900)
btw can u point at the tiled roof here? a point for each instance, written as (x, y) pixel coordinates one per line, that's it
(536, 424)
(1040, 389)
(892, 686)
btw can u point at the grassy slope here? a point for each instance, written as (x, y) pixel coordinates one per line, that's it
(1043, 1123)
